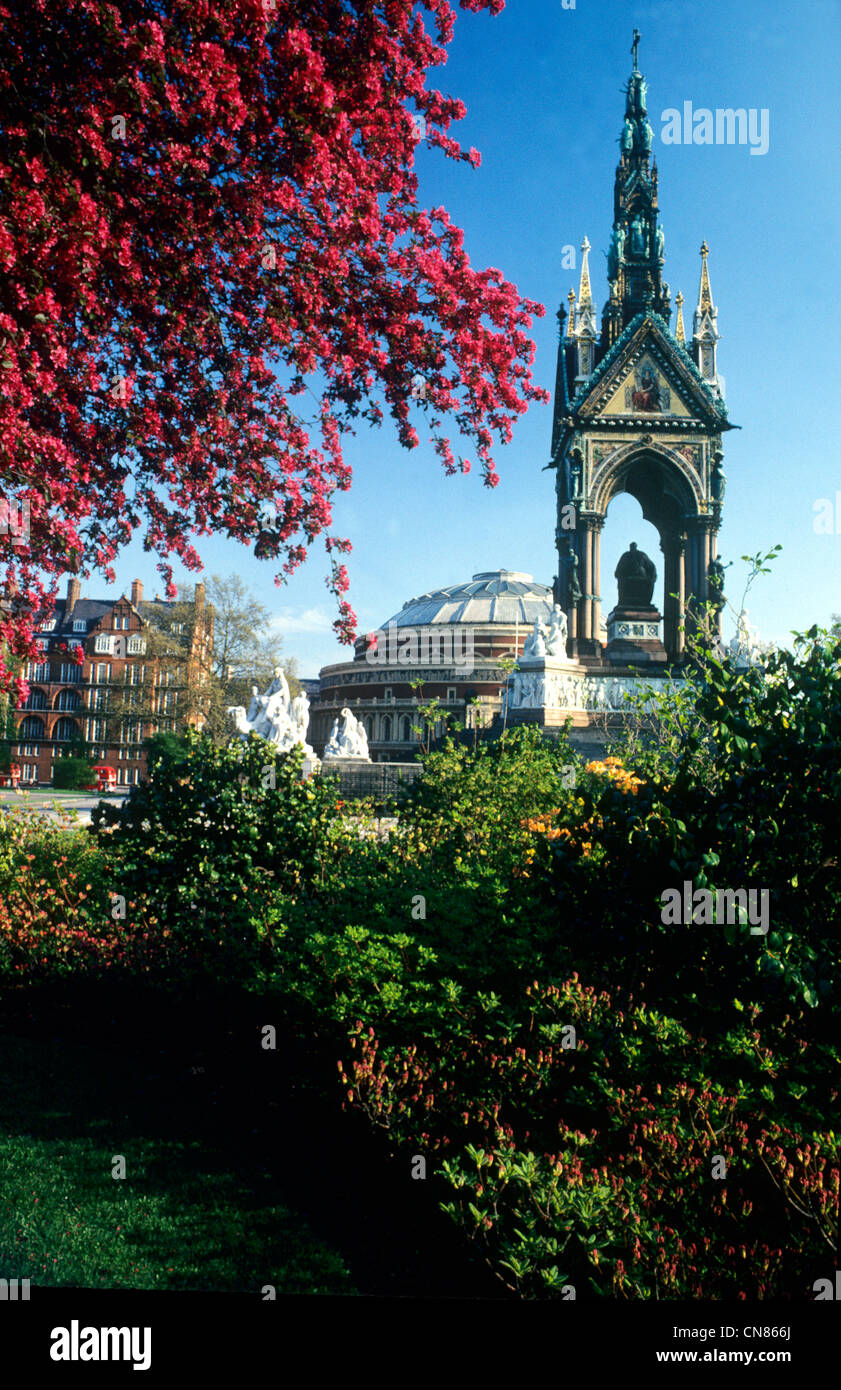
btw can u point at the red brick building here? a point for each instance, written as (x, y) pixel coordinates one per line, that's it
(145, 667)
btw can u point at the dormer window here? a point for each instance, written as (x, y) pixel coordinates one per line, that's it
(103, 643)
(48, 625)
(79, 625)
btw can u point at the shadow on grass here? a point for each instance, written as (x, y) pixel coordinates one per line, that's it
(241, 1170)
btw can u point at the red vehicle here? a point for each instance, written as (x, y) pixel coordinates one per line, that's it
(12, 777)
(106, 778)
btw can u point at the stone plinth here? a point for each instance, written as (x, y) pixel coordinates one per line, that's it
(541, 681)
(635, 636)
(549, 690)
(311, 765)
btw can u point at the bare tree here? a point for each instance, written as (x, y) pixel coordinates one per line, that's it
(245, 649)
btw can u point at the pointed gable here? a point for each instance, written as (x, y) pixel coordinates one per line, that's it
(647, 377)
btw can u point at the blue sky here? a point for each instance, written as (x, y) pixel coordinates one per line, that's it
(543, 86)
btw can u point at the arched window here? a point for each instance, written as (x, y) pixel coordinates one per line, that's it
(31, 729)
(368, 723)
(66, 730)
(386, 728)
(37, 700)
(67, 700)
(406, 729)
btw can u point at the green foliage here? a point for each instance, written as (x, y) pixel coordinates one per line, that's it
(445, 899)
(472, 801)
(8, 732)
(6, 738)
(212, 844)
(594, 1165)
(761, 812)
(53, 921)
(165, 744)
(502, 984)
(73, 773)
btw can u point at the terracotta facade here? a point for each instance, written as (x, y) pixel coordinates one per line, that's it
(121, 691)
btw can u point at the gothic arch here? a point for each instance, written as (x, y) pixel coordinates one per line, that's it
(611, 477)
(671, 492)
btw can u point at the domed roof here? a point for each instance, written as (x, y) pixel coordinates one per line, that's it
(497, 596)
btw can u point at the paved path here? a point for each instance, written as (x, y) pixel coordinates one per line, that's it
(54, 804)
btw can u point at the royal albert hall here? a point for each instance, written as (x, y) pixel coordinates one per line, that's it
(480, 623)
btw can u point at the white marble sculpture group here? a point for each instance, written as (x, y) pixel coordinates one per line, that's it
(284, 723)
(280, 721)
(548, 641)
(747, 647)
(541, 682)
(570, 691)
(348, 739)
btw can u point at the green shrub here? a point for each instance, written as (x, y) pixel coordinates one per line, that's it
(53, 916)
(73, 773)
(520, 896)
(616, 1151)
(699, 1030)
(212, 845)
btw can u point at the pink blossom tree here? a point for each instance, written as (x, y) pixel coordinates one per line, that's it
(213, 264)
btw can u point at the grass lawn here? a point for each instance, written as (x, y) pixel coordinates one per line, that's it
(181, 1219)
(241, 1167)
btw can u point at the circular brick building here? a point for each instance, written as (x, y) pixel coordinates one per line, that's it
(448, 645)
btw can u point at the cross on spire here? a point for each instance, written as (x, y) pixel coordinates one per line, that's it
(637, 37)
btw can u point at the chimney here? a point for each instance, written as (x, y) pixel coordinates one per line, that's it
(74, 590)
(199, 598)
(136, 592)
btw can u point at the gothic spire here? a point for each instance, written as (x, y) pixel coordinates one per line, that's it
(585, 294)
(635, 258)
(680, 331)
(705, 298)
(705, 333)
(586, 327)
